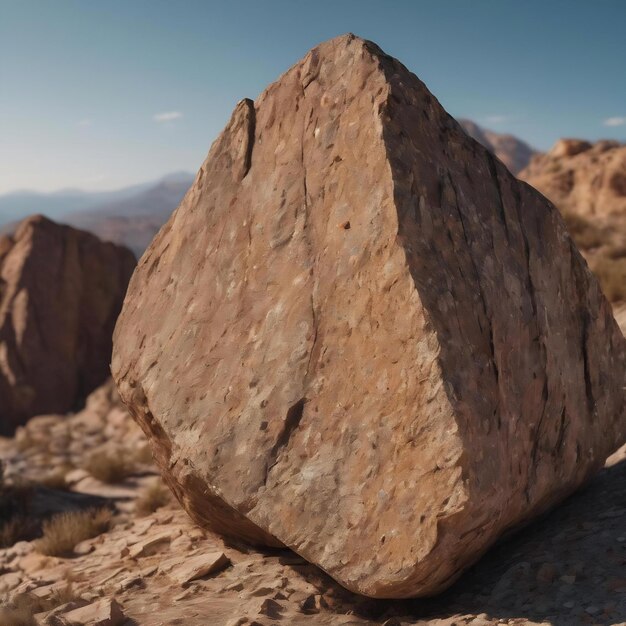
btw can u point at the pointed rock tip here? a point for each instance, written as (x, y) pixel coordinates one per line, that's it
(349, 39)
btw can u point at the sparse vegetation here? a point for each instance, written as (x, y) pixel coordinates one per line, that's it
(585, 234)
(62, 532)
(14, 507)
(612, 276)
(110, 466)
(153, 498)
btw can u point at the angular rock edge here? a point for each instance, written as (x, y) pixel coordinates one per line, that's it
(515, 394)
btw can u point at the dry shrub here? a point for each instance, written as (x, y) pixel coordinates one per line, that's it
(62, 532)
(63, 596)
(11, 531)
(15, 501)
(153, 498)
(110, 466)
(585, 234)
(612, 276)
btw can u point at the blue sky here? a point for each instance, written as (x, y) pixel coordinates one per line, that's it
(102, 94)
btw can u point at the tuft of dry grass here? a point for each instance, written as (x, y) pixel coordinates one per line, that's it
(110, 466)
(12, 531)
(62, 532)
(153, 498)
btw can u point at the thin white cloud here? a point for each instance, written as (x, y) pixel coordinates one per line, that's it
(167, 116)
(615, 121)
(85, 123)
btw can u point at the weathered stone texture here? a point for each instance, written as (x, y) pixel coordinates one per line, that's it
(61, 290)
(361, 337)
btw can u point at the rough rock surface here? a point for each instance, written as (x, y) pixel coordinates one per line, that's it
(361, 337)
(566, 569)
(61, 290)
(587, 183)
(582, 178)
(512, 151)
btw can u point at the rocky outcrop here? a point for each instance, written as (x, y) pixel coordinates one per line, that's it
(61, 290)
(512, 151)
(587, 183)
(582, 178)
(361, 337)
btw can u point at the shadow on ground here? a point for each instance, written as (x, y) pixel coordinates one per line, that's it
(567, 568)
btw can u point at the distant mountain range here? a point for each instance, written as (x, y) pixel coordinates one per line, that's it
(513, 152)
(133, 215)
(130, 216)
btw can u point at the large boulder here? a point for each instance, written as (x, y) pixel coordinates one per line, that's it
(361, 337)
(61, 290)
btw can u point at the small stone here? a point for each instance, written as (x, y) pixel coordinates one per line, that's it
(187, 569)
(105, 612)
(592, 610)
(271, 609)
(568, 579)
(313, 604)
(151, 545)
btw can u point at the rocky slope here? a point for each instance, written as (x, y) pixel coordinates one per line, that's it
(61, 290)
(361, 337)
(513, 152)
(159, 569)
(587, 183)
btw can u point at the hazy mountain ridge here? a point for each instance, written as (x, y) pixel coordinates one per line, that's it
(512, 151)
(129, 216)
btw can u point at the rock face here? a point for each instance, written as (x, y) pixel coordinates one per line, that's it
(513, 152)
(582, 178)
(361, 337)
(587, 183)
(61, 290)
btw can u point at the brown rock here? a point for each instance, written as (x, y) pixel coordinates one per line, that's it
(184, 570)
(60, 292)
(104, 612)
(587, 183)
(386, 399)
(582, 178)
